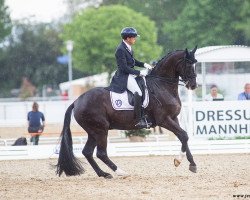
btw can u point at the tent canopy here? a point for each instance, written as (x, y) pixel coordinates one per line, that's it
(229, 53)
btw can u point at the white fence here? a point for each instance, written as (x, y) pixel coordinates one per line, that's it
(130, 149)
(83, 139)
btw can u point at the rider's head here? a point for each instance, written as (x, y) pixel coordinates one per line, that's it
(129, 32)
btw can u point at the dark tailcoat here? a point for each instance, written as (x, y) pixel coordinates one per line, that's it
(125, 63)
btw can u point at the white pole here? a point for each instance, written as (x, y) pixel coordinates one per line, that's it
(203, 72)
(190, 113)
(69, 46)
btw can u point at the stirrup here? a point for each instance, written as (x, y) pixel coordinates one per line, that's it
(143, 123)
(149, 124)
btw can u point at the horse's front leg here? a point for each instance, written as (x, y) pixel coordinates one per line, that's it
(173, 125)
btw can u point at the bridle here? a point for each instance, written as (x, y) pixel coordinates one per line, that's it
(185, 77)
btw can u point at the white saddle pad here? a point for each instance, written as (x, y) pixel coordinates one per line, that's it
(120, 101)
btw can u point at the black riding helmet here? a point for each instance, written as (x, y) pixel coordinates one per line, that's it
(129, 32)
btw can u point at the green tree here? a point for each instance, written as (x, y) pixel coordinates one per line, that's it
(243, 25)
(32, 53)
(96, 33)
(160, 11)
(5, 22)
(206, 23)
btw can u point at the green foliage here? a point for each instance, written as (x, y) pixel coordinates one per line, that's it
(96, 34)
(160, 11)
(243, 24)
(32, 53)
(5, 22)
(206, 23)
(183, 23)
(139, 132)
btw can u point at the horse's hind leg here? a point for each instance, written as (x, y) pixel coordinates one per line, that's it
(88, 153)
(102, 155)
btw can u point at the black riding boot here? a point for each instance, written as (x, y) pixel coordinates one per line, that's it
(138, 112)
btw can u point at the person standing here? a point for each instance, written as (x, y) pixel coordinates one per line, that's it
(124, 77)
(36, 123)
(246, 94)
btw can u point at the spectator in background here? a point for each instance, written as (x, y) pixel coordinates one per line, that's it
(214, 95)
(36, 123)
(65, 95)
(246, 94)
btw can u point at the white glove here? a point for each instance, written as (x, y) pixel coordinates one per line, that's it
(143, 73)
(146, 65)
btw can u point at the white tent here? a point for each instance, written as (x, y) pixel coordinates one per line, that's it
(229, 53)
(98, 80)
(223, 54)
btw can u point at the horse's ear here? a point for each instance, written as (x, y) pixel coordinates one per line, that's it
(194, 50)
(186, 51)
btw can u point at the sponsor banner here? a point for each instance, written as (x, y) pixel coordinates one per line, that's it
(221, 118)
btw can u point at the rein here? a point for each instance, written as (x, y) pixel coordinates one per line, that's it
(184, 78)
(184, 74)
(169, 80)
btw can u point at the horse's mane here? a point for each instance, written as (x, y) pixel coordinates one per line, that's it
(158, 63)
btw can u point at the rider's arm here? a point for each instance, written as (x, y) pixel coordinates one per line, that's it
(122, 63)
(139, 63)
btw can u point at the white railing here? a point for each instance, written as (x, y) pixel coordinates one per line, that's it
(83, 139)
(130, 149)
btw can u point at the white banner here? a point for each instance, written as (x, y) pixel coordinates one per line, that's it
(221, 118)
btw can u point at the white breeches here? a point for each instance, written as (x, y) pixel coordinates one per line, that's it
(132, 85)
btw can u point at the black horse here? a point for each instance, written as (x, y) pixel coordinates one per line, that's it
(94, 113)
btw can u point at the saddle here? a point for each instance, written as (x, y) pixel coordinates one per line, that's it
(125, 100)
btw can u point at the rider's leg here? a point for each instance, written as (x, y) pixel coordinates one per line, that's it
(141, 122)
(134, 88)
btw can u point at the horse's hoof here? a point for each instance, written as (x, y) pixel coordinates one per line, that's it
(108, 176)
(105, 175)
(176, 162)
(193, 168)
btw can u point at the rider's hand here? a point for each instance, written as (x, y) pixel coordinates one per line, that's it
(143, 73)
(146, 65)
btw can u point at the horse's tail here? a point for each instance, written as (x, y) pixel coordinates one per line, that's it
(67, 162)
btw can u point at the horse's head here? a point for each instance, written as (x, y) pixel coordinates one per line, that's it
(177, 64)
(185, 68)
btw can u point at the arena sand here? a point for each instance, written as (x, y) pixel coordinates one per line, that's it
(152, 177)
